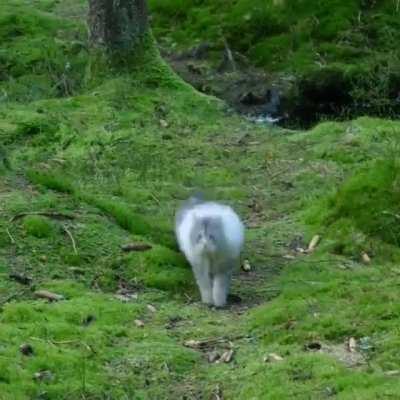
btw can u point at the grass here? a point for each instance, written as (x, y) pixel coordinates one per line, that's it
(103, 156)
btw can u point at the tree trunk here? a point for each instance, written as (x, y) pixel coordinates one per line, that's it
(117, 25)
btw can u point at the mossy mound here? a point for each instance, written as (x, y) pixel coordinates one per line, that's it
(360, 211)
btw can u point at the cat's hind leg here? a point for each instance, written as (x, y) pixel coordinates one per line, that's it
(203, 280)
(220, 288)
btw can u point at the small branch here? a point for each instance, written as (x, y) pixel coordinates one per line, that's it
(50, 214)
(136, 247)
(72, 239)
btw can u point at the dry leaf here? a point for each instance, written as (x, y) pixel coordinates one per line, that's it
(151, 308)
(125, 296)
(139, 323)
(352, 345)
(44, 375)
(218, 393)
(288, 257)
(272, 357)
(213, 356)
(45, 294)
(395, 372)
(246, 266)
(313, 243)
(365, 258)
(193, 344)
(164, 123)
(226, 357)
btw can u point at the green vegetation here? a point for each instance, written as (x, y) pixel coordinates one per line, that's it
(38, 226)
(341, 58)
(87, 171)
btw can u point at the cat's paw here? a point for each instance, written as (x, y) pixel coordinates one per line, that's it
(207, 299)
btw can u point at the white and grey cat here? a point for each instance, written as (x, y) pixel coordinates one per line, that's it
(211, 236)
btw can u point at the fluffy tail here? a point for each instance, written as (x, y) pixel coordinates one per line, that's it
(194, 200)
(191, 202)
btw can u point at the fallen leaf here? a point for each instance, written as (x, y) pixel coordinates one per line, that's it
(44, 375)
(272, 357)
(125, 296)
(45, 294)
(164, 123)
(288, 257)
(395, 372)
(193, 344)
(313, 243)
(246, 266)
(365, 258)
(213, 356)
(218, 393)
(139, 323)
(226, 357)
(151, 308)
(352, 345)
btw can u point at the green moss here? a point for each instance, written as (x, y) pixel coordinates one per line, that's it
(37, 61)
(103, 157)
(52, 181)
(41, 227)
(364, 207)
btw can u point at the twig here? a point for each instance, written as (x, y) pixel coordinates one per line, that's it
(71, 237)
(10, 236)
(50, 214)
(136, 247)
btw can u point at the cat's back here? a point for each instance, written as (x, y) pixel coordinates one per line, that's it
(232, 226)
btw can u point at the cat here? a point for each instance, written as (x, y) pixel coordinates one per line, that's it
(211, 236)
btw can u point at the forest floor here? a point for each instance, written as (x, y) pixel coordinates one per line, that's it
(85, 171)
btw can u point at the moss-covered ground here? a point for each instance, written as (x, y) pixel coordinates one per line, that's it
(86, 168)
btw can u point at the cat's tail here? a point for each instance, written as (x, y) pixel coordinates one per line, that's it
(195, 200)
(192, 201)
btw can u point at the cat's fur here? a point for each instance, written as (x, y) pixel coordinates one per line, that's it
(211, 236)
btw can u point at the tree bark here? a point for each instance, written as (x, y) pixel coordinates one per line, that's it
(117, 25)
